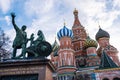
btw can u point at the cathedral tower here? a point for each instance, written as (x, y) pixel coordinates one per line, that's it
(79, 37)
(102, 38)
(66, 60)
(54, 54)
(92, 59)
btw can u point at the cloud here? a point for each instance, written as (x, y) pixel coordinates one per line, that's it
(116, 4)
(90, 12)
(38, 7)
(46, 25)
(5, 5)
(46, 18)
(48, 15)
(7, 18)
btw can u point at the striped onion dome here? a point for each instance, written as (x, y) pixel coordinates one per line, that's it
(90, 43)
(64, 32)
(55, 48)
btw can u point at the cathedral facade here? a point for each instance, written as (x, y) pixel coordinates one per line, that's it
(78, 57)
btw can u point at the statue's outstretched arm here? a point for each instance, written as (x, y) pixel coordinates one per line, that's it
(13, 21)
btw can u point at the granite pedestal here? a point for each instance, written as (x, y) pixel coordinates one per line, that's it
(26, 69)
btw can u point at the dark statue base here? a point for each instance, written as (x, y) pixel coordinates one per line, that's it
(26, 69)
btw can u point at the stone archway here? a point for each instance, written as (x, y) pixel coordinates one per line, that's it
(105, 79)
(116, 78)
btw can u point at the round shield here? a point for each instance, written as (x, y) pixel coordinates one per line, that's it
(44, 49)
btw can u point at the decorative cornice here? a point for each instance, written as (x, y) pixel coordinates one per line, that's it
(106, 70)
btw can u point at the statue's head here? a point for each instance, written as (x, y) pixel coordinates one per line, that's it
(32, 34)
(23, 28)
(39, 32)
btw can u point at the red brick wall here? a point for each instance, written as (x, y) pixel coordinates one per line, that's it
(108, 74)
(49, 75)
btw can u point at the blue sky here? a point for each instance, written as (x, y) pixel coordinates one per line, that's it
(49, 15)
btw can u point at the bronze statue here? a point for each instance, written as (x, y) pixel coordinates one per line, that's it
(38, 47)
(20, 40)
(31, 39)
(39, 39)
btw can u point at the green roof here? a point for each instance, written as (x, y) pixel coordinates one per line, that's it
(106, 61)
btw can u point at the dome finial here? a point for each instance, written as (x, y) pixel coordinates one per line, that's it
(55, 37)
(64, 22)
(75, 10)
(88, 37)
(99, 25)
(87, 32)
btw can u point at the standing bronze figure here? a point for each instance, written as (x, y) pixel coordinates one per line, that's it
(20, 40)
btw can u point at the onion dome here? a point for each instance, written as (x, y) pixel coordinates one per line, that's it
(101, 33)
(90, 43)
(64, 32)
(55, 48)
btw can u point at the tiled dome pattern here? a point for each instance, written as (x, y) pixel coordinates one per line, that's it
(90, 43)
(64, 32)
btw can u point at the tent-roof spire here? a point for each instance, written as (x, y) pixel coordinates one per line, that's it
(76, 21)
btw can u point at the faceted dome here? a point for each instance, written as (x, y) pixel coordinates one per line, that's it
(101, 33)
(90, 43)
(64, 32)
(55, 48)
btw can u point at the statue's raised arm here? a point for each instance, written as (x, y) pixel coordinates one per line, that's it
(13, 21)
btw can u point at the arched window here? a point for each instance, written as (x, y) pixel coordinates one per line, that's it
(116, 78)
(105, 79)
